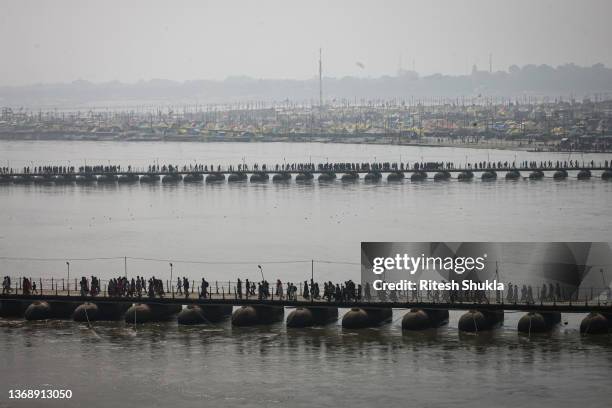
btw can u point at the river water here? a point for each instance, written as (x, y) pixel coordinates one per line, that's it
(224, 231)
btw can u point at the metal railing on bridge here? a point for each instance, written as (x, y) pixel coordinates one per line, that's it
(230, 290)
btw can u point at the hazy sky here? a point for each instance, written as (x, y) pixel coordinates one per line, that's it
(63, 40)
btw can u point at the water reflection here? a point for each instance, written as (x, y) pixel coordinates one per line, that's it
(208, 360)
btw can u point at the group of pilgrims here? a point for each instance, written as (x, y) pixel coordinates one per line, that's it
(261, 290)
(307, 167)
(136, 287)
(87, 288)
(562, 164)
(546, 293)
(28, 286)
(348, 291)
(183, 287)
(308, 290)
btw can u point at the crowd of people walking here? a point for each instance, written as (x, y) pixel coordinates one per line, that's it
(347, 291)
(308, 167)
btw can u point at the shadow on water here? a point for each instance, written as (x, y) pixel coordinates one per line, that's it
(424, 337)
(600, 340)
(241, 184)
(481, 340)
(304, 183)
(284, 186)
(269, 339)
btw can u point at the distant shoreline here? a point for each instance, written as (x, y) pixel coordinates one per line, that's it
(382, 141)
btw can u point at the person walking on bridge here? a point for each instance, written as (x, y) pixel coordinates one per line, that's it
(6, 285)
(186, 287)
(510, 295)
(138, 286)
(306, 292)
(279, 289)
(26, 286)
(366, 292)
(204, 289)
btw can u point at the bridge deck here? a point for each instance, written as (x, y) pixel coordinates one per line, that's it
(403, 302)
(295, 172)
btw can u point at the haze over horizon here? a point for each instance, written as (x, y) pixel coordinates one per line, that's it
(68, 40)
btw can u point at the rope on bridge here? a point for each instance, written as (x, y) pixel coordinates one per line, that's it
(219, 262)
(14, 258)
(529, 334)
(336, 262)
(193, 261)
(87, 316)
(251, 262)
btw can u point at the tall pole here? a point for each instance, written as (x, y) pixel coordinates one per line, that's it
(498, 293)
(320, 80)
(311, 280)
(312, 270)
(125, 266)
(68, 267)
(320, 92)
(171, 281)
(606, 288)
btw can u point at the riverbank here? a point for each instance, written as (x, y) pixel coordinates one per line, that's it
(382, 140)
